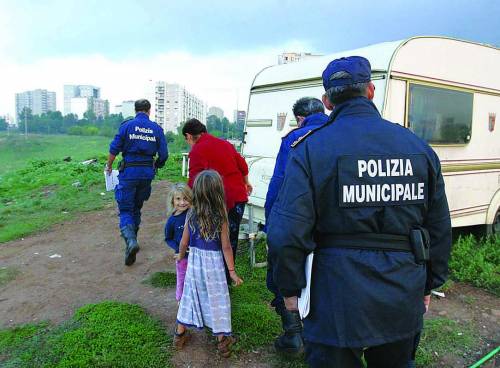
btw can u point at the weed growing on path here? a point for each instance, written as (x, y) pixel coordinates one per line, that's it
(162, 280)
(442, 337)
(108, 334)
(7, 274)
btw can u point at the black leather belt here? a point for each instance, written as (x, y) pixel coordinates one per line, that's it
(369, 241)
(138, 164)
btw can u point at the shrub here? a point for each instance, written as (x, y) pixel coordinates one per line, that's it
(477, 262)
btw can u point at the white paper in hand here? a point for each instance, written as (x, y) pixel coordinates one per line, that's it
(111, 180)
(305, 295)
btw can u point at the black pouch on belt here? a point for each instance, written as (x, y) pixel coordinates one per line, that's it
(420, 243)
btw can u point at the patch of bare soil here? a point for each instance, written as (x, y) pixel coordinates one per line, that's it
(91, 269)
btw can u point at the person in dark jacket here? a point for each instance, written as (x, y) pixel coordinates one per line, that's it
(368, 197)
(139, 140)
(309, 113)
(180, 199)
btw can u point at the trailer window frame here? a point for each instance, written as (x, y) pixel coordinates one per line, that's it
(467, 139)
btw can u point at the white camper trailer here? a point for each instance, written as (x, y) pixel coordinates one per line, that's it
(446, 91)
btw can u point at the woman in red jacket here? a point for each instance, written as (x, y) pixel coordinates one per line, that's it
(209, 152)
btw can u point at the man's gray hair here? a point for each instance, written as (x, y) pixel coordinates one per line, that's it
(341, 94)
(306, 106)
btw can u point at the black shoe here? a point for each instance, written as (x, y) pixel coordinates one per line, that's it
(290, 343)
(132, 248)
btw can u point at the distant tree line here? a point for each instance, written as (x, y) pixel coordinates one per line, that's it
(53, 122)
(224, 129)
(3, 124)
(221, 128)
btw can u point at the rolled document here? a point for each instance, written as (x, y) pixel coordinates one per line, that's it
(305, 295)
(111, 180)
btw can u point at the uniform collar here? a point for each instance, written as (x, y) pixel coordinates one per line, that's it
(141, 115)
(315, 119)
(355, 105)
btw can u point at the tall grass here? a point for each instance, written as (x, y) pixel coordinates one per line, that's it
(477, 261)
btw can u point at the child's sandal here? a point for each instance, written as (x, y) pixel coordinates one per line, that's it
(181, 339)
(224, 346)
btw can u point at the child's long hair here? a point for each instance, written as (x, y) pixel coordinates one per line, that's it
(209, 208)
(182, 189)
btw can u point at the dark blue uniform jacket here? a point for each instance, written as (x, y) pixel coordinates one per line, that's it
(359, 174)
(174, 229)
(140, 139)
(310, 122)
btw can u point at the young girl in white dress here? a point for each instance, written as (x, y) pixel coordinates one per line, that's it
(205, 301)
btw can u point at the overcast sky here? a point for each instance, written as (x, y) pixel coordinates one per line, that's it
(213, 48)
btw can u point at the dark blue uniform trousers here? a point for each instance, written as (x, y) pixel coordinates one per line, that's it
(278, 303)
(392, 355)
(130, 195)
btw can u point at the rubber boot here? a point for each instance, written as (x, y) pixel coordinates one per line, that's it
(128, 233)
(290, 343)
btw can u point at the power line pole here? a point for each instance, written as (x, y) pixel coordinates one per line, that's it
(25, 124)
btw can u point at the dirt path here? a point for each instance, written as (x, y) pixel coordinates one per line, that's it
(91, 270)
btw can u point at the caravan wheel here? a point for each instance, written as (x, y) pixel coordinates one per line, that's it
(494, 228)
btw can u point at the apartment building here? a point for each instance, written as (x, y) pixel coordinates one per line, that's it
(174, 105)
(81, 98)
(39, 101)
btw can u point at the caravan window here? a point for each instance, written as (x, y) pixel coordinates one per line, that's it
(440, 115)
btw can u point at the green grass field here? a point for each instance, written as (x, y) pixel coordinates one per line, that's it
(16, 151)
(39, 189)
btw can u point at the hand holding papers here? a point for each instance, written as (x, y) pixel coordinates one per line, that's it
(111, 180)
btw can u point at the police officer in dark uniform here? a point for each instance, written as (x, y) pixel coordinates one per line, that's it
(309, 113)
(139, 140)
(368, 197)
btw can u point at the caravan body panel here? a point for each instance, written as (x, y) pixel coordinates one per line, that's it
(445, 90)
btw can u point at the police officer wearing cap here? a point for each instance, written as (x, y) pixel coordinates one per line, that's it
(309, 113)
(368, 197)
(139, 140)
